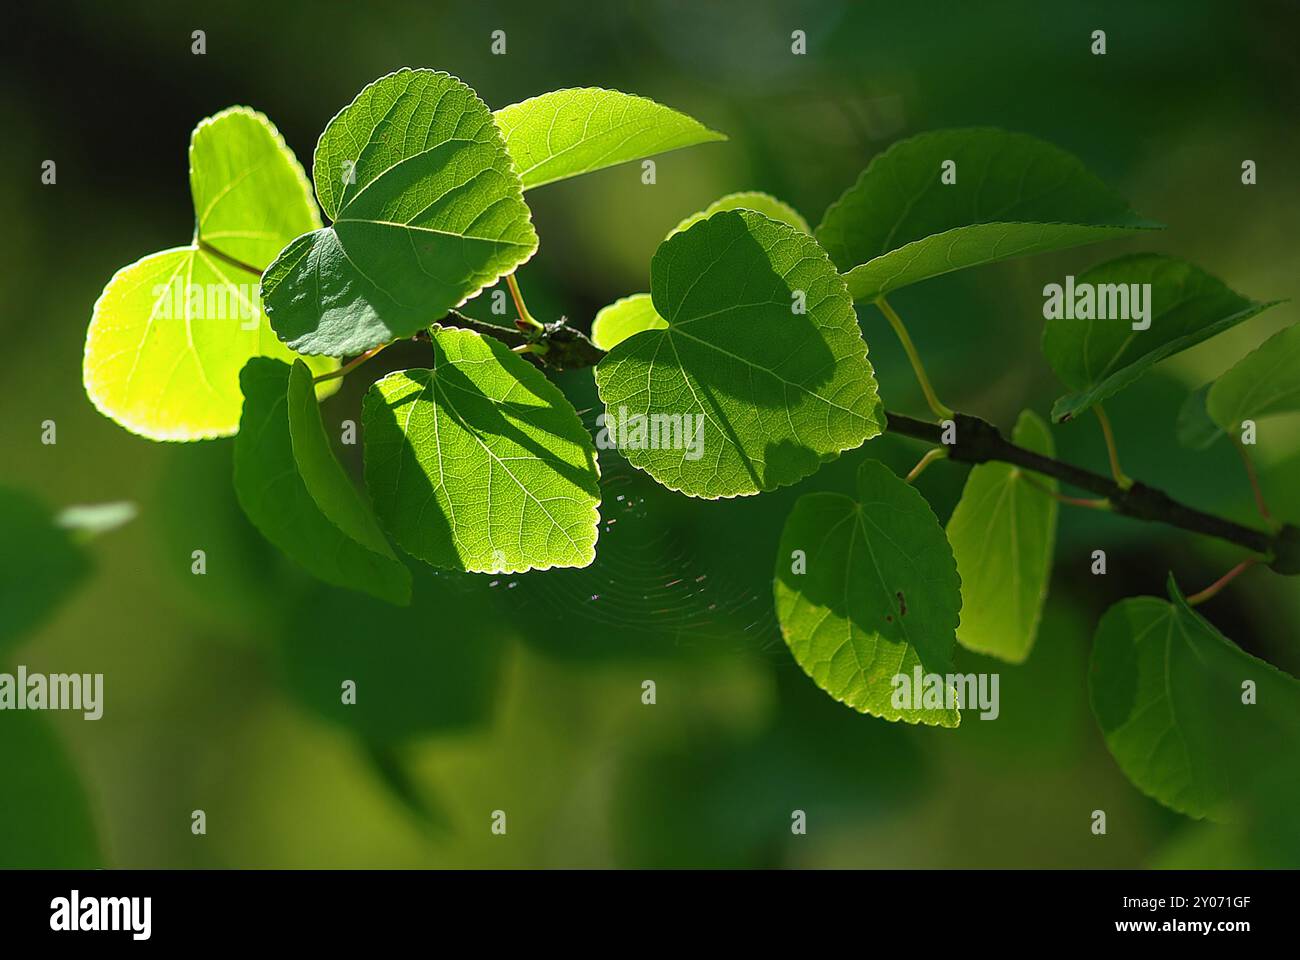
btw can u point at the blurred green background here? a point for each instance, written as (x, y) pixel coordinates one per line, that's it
(523, 694)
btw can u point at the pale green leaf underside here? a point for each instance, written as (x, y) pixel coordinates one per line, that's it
(764, 203)
(427, 212)
(170, 333)
(622, 318)
(480, 463)
(1166, 687)
(1098, 358)
(1264, 382)
(567, 133)
(1002, 532)
(296, 493)
(879, 597)
(1014, 195)
(779, 392)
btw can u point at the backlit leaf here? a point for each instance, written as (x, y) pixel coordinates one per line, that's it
(427, 212)
(1264, 382)
(170, 333)
(771, 392)
(1098, 357)
(1002, 532)
(480, 463)
(764, 203)
(294, 490)
(1014, 195)
(880, 595)
(1169, 691)
(618, 321)
(622, 318)
(567, 133)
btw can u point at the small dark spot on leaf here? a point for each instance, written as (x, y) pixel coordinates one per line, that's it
(902, 604)
(888, 618)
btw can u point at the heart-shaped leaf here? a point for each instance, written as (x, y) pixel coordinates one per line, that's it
(1002, 532)
(1099, 350)
(1010, 195)
(171, 332)
(764, 203)
(427, 212)
(1192, 720)
(1263, 383)
(618, 321)
(296, 493)
(760, 373)
(622, 318)
(567, 133)
(867, 591)
(480, 463)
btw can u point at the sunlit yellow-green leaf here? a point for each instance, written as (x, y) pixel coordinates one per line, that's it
(170, 333)
(566, 133)
(1002, 533)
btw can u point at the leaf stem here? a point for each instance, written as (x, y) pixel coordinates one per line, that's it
(1254, 482)
(937, 453)
(939, 409)
(1098, 503)
(1222, 582)
(1112, 451)
(525, 318)
(237, 264)
(348, 367)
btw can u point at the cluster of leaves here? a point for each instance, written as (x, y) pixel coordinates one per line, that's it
(478, 463)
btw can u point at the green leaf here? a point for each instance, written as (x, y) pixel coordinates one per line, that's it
(1014, 195)
(481, 464)
(1002, 532)
(764, 203)
(618, 321)
(773, 393)
(622, 318)
(1264, 382)
(296, 493)
(1168, 691)
(46, 821)
(1195, 430)
(39, 564)
(432, 667)
(427, 212)
(170, 333)
(1097, 358)
(567, 133)
(880, 595)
